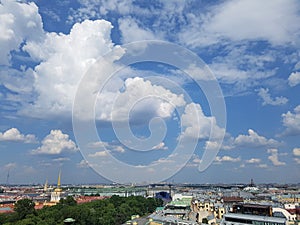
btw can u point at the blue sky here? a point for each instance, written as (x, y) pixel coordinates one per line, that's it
(213, 83)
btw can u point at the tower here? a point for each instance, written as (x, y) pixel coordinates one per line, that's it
(46, 186)
(56, 194)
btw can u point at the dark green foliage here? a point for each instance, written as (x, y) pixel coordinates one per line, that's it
(112, 211)
(24, 207)
(67, 201)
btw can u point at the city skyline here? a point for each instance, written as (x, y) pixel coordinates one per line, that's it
(49, 51)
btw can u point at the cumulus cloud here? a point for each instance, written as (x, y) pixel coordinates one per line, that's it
(273, 157)
(254, 140)
(268, 100)
(64, 59)
(199, 126)
(226, 158)
(296, 151)
(292, 122)
(141, 100)
(56, 143)
(19, 21)
(294, 79)
(14, 134)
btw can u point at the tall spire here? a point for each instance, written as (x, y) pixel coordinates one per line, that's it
(58, 189)
(58, 180)
(46, 186)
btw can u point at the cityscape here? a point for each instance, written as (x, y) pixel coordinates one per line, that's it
(185, 204)
(149, 112)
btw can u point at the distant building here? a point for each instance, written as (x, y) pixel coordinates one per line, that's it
(207, 209)
(246, 219)
(56, 194)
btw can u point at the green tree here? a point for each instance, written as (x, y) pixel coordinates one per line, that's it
(69, 200)
(24, 207)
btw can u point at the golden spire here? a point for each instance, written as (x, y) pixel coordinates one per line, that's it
(58, 181)
(58, 189)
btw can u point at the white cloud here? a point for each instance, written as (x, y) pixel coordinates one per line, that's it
(56, 143)
(18, 22)
(141, 100)
(292, 121)
(226, 158)
(131, 31)
(239, 20)
(11, 165)
(294, 79)
(268, 100)
(160, 146)
(199, 126)
(14, 134)
(110, 146)
(83, 164)
(274, 157)
(253, 161)
(64, 60)
(61, 159)
(296, 151)
(99, 154)
(297, 160)
(262, 166)
(254, 140)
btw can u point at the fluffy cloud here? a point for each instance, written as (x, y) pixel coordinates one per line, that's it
(56, 143)
(18, 22)
(227, 159)
(254, 140)
(292, 122)
(14, 134)
(142, 100)
(268, 100)
(274, 157)
(64, 60)
(296, 151)
(199, 126)
(294, 79)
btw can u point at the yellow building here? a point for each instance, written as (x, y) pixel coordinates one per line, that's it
(56, 194)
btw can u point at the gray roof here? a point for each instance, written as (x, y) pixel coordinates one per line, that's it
(255, 217)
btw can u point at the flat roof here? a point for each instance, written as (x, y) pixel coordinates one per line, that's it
(255, 217)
